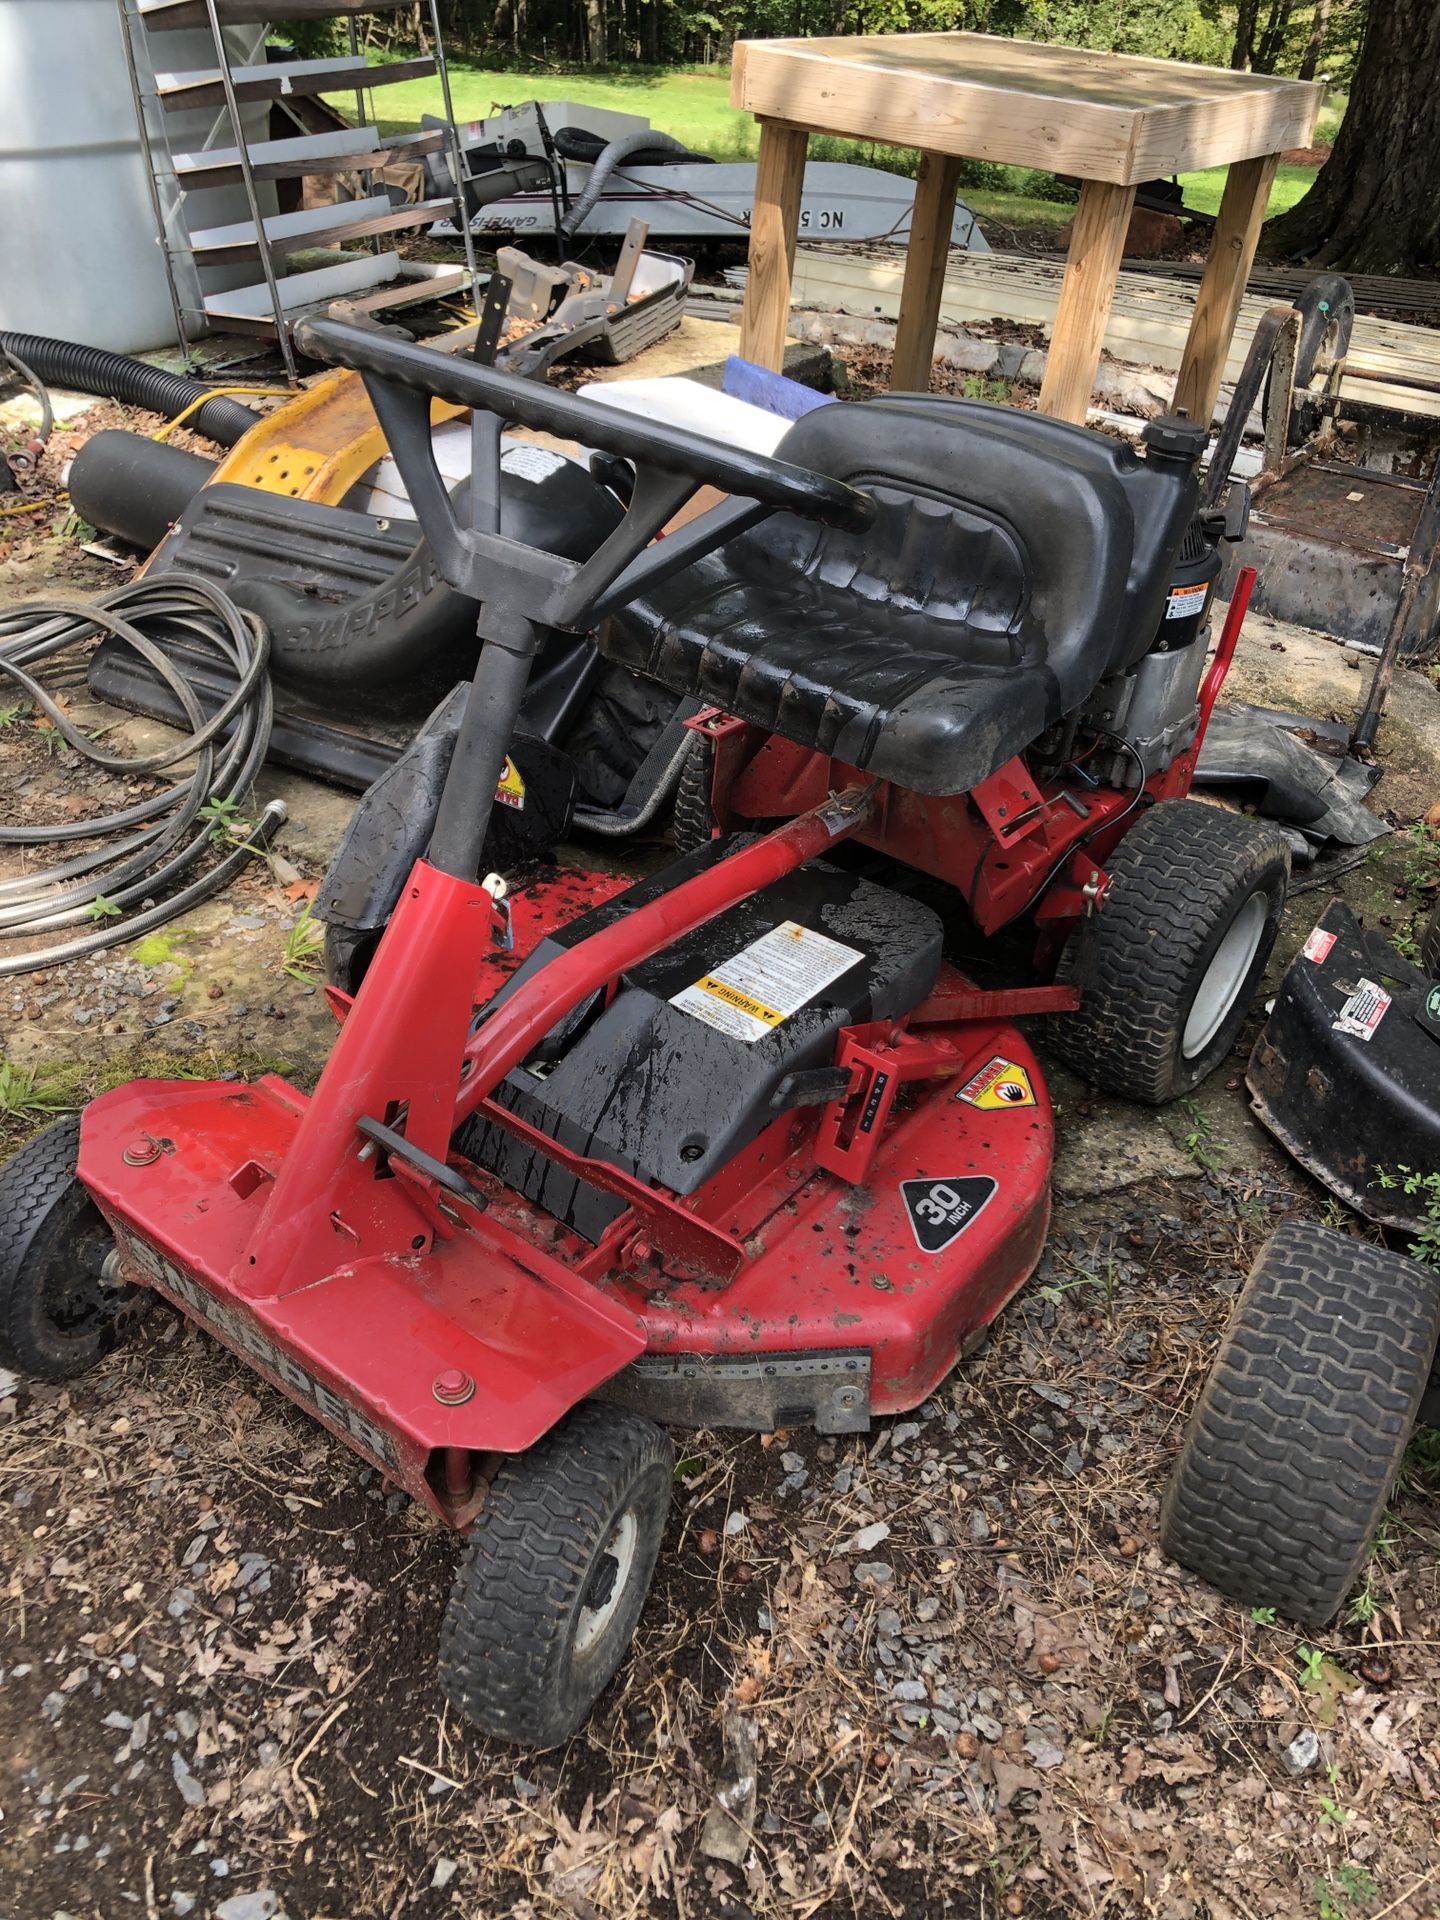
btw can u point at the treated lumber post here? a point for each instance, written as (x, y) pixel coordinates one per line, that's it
(1092, 267)
(1217, 305)
(926, 257)
(779, 181)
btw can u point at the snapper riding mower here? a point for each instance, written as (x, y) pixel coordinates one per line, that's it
(733, 1145)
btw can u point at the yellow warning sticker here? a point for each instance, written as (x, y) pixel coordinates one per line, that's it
(511, 790)
(759, 988)
(999, 1083)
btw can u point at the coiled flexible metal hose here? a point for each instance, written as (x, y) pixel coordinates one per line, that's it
(149, 847)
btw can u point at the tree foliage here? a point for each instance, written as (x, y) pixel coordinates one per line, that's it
(1269, 35)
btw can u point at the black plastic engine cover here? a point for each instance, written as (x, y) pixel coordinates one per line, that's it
(653, 1087)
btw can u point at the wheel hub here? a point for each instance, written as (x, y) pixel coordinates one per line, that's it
(1225, 976)
(608, 1580)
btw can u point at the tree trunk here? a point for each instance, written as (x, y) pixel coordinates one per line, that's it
(1375, 205)
(1246, 20)
(1315, 45)
(650, 27)
(1272, 41)
(595, 48)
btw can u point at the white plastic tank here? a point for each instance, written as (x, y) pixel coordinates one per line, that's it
(79, 255)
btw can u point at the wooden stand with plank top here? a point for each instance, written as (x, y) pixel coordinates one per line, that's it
(1113, 119)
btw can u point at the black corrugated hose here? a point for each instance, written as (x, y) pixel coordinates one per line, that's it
(147, 848)
(115, 376)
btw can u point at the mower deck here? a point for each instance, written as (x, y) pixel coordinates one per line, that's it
(847, 1299)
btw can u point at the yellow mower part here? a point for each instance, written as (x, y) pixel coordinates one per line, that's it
(318, 445)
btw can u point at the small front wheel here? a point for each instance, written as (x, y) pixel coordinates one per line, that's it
(550, 1590)
(59, 1313)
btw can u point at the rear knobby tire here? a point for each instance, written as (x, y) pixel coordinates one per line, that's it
(1168, 966)
(694, 821)
(1294, 1445)
(550, 1590)
(58, 1316)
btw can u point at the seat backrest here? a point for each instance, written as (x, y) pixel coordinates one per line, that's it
(1039, 540)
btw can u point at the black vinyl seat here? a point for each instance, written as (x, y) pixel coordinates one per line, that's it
(1015, 562)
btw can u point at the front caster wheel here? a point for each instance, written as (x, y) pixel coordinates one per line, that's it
(550, 1589)
(58, 1314)
(1169, 965)
(1299, 1432)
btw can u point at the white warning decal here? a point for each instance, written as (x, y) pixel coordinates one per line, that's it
(750, 995)
(1186, 601)
(1317, 947)
(531, 463)
(1363, 1011)
(941, 1210)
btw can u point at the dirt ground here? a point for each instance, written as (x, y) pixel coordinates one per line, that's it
(972, 1684)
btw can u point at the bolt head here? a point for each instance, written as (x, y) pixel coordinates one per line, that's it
(453, 1388)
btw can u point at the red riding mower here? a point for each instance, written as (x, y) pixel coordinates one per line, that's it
(733, 1145)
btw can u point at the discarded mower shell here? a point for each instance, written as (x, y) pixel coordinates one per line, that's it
(1346, 1073)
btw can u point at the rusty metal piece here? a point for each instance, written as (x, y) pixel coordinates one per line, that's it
(1418, 562)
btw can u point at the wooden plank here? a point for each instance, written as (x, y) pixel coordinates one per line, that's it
(182, 91)
(774, 225)
(1149, 321)
(1104, 116)
(337, 233)
(161, 15)
(1217, 305)
(925, 262)
(223, 169)
(412, 293)
(1097, 245)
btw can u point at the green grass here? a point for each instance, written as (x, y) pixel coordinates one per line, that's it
(693, 106)
(1203, 190)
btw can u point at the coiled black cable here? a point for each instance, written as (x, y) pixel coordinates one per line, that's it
(38, 387)
(147, 848)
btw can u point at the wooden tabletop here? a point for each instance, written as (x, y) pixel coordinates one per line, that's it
(1114, 117)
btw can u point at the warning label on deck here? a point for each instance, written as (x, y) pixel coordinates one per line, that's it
(511, 790)
(999, 1083)
(941, 1210)
(1363, 1011)
(750, 995)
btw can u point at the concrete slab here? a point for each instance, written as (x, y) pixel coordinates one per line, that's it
(1104, 1145)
